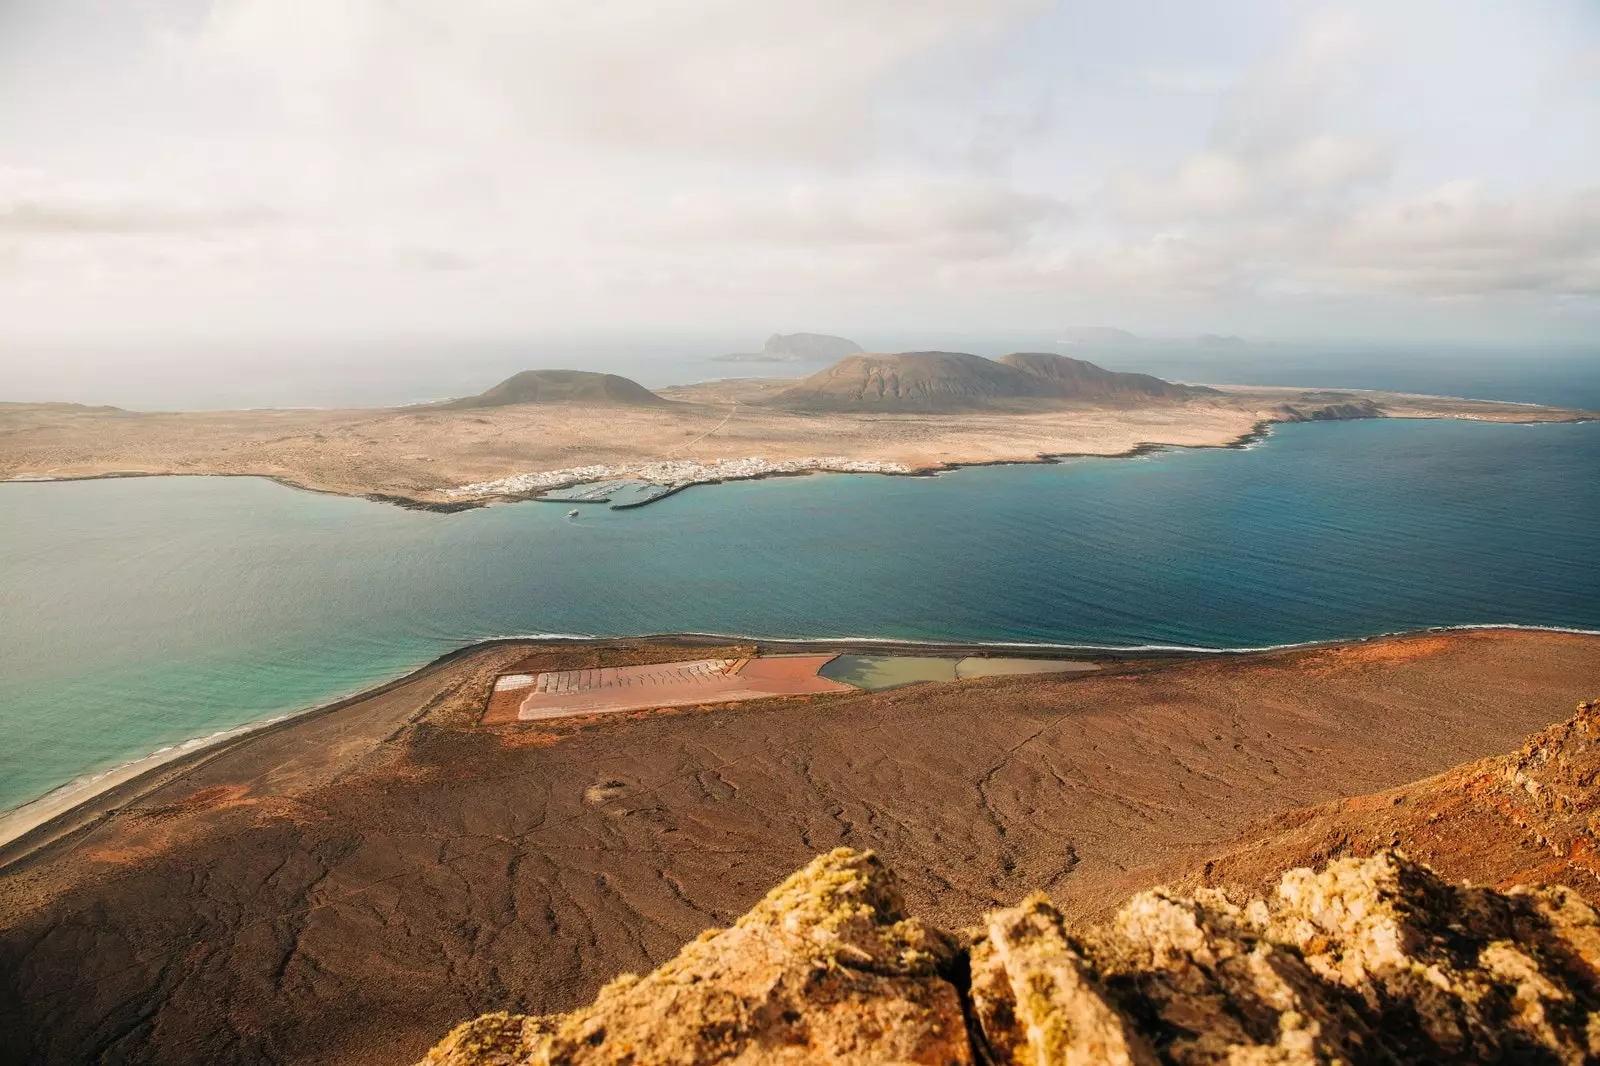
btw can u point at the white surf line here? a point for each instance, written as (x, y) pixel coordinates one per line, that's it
(30, 814)
(1021, 645)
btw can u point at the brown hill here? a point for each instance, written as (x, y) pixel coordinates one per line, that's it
(561, 386)
(1081, 380)
(1531, 816)
(949, 381)
(1378, 961)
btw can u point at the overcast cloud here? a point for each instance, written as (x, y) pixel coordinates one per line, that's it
(361, 167)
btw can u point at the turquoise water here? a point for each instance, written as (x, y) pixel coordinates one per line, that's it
(140, 613)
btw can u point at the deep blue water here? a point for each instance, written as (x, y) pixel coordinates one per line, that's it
(139, 613)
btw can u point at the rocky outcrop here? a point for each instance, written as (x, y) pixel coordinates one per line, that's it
(1336, 411)
(1372, 960)
(826, 969)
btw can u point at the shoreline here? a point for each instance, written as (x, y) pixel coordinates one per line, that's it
(92, 798)
(1256, 434)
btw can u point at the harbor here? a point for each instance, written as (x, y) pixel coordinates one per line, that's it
(629, 485)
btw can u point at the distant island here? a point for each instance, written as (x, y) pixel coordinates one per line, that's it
(796, 348)
(543, 430)
(1091, 336)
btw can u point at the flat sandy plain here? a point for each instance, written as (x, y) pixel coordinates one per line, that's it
(344, 887)
(417, 454)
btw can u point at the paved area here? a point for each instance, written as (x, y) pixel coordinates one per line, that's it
(561, 693)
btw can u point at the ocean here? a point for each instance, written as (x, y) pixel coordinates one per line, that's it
(144, 613)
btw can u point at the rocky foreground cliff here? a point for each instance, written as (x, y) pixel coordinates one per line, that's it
(1372, 959)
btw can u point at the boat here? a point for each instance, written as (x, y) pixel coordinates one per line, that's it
(572, 513)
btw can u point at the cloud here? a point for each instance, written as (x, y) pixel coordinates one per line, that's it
(1585, 65)
(1295, 91)
(41, 218)
(954, 219)
(1162, 265)
(365, 161)
(1267, 150)
(1219, 183)
(688, 78)
(1186, 80)
(1458, 241)
(1453, 242)
(33, 206)
(1278, 202)
(1327, 162)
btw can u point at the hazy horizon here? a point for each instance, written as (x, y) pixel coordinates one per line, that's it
(374, 372)
(288, 174)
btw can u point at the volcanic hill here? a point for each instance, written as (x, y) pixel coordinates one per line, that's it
(951, 381)
(1077, 379)
(1526, 817)
(561, 386)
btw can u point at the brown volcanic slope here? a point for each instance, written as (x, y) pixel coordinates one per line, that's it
(1529, 817)
(952, 381)
(1079, 379)
(347, 887)
(560, 386)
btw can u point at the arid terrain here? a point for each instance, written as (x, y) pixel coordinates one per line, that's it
(346, 887)
(1364, 960)
(420, 454)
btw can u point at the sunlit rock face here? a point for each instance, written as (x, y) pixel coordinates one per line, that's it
(1369, 960)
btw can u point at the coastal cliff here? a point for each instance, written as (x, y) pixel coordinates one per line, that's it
(1375, 960)
(375, 874)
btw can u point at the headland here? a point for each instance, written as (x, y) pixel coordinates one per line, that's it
(396, 860)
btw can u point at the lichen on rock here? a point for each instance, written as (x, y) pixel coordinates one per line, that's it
(1372, 960)
(826, 969)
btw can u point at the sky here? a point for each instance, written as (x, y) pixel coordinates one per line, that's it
(178, 171)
